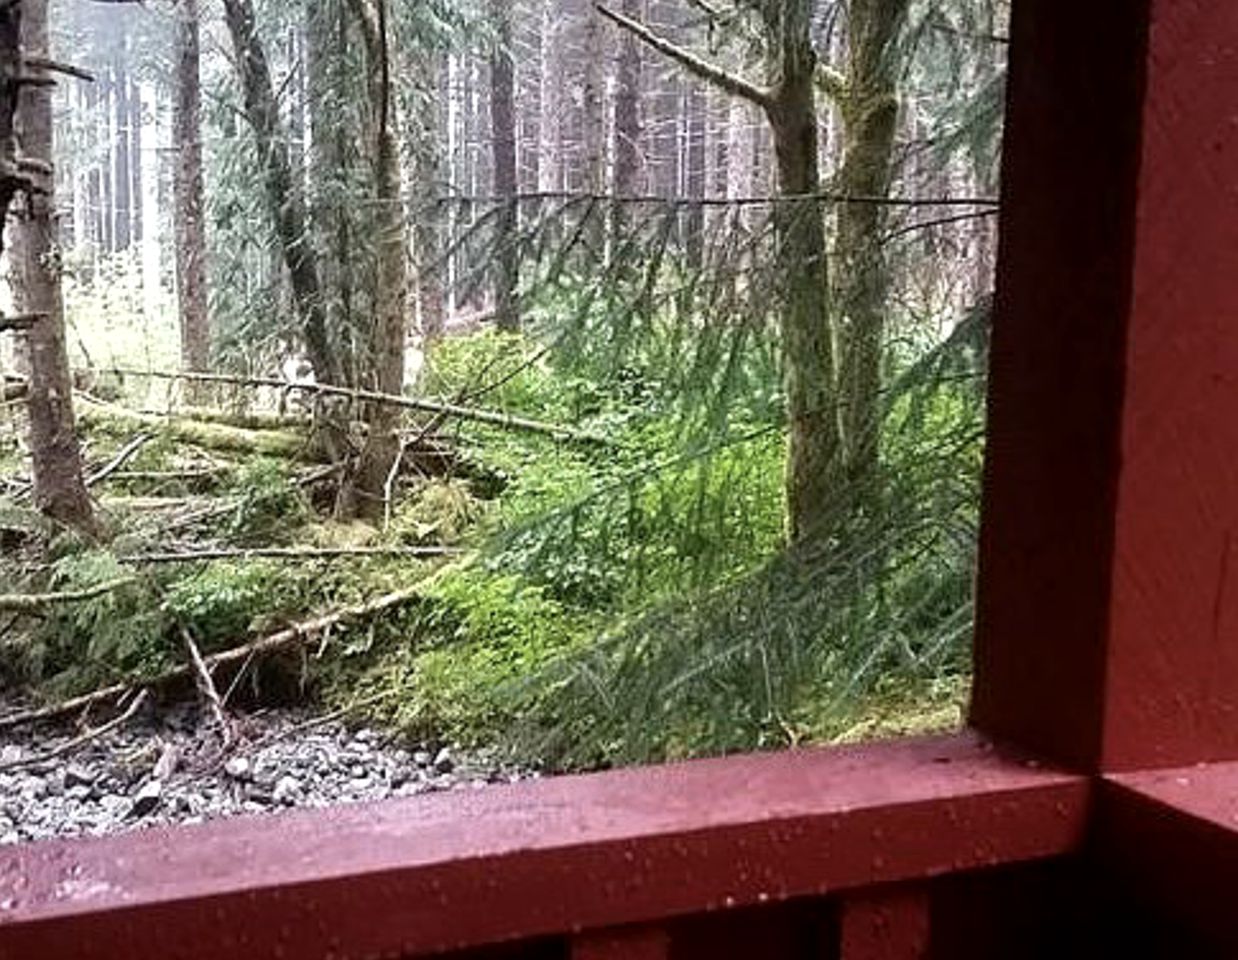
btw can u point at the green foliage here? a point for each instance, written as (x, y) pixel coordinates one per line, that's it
(270, 507)
(119, 632)
(476, 639)
(228, 601)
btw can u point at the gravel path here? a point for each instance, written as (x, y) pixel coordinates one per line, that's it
(157, 769)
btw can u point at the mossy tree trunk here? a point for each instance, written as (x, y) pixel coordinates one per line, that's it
(813, 464)
(364, 494)
(868, 103)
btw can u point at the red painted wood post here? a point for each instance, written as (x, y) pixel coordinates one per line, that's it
(1107, 628)
(887, 925)
(640, 943)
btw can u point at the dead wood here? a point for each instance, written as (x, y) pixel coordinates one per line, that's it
(78, 742)
(213, 436)
(126, 454)
(37, 602)
(289, 553)
(273, 643)
(477, 415)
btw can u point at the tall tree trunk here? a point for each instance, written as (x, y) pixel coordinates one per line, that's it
(366, 495)
(503, 140)
(286, 203)
(832, 412)
(135, 160)
(326, 57)
(11, 182)
(190, 222)
(107, 207)
(869, 107)
(812, 480)
(550, 147)
(593, 127)
(628, 134)
(59, 490)
(696, 108)
(429, 178)
(121, 215)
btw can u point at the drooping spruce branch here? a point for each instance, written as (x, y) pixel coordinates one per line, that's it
(725, 80)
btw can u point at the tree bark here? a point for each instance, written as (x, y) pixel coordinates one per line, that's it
(628, 97)
(190, 223)
(365, 494)
(286, 203)
(11, 180)
(135, 160)
(550, 136)
(326, 56)
(59, 489)
(812, 473)
(869, 107)
(429, 177)
(503, 142)
(122, 231)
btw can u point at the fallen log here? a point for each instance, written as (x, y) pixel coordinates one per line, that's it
(213, 436)
(240, 420)
(493, 418)
(288, 637)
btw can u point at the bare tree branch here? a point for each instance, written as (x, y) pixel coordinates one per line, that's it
(709, 72)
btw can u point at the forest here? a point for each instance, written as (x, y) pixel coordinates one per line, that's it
(580, 383)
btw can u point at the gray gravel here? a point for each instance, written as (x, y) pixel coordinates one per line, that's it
(163, 769)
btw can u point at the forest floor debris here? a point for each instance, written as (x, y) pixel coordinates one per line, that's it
(161, 768)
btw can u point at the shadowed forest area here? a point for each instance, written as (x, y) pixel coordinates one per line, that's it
(596, 384)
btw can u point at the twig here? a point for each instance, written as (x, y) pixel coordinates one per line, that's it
(81, 741)
(389, 485)
(490, 417)
(124, 456)
(288, 553)
(290, 636)
(34, 602)
(206, 684)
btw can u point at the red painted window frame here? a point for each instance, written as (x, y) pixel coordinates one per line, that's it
(1106, 649)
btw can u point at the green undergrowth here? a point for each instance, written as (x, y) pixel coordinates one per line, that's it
(616, 603)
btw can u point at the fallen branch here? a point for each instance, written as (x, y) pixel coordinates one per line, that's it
(36, 602)
(78, 742)
(476, 415)
(124, 456)
(288, 553)
(206, 685)
(290, 636)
